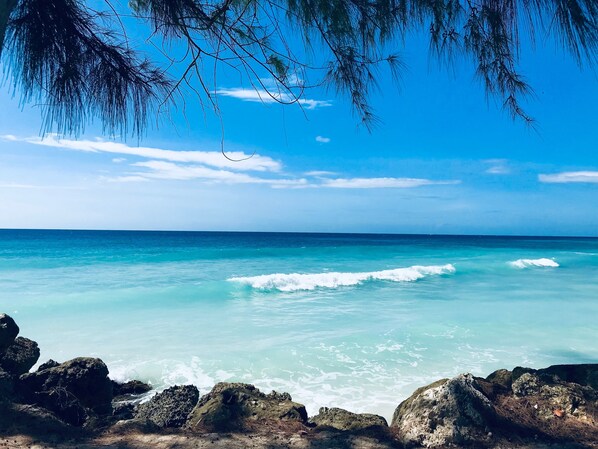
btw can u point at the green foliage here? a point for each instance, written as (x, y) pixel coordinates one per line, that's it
(58, 52)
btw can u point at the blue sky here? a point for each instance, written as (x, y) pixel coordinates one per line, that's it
(443, 160)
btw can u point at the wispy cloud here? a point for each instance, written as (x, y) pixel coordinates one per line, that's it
(569, 177)
(240, 160)
(383, 183)
(213, 167)
(168, 170)
(497, 167)
(319, 173)
(263, 96)
(322, 139)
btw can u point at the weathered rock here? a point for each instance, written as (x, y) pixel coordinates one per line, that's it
(8, 331)
(132, 388)
(445, 413)
(64, 405)
(47, 365)
(170, 408)
(230, 406)
(526, 385)
(85, 378)
(20, 356)
(340, 419)
(501, 377)
(583, 374)
(550, 394)
(123, 410)
(6, 386)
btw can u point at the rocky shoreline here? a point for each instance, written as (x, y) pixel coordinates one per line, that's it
(74, 404)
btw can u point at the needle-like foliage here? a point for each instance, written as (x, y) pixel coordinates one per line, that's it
(59, 54)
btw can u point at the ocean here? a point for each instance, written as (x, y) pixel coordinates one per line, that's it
(348, 320)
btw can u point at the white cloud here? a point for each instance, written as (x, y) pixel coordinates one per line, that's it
(322, 139)
(263, 96)
(118, 160)
(319, 173)
(498, 167)
(570, 176)
(246, 162)
(169, 170)
(382, 183)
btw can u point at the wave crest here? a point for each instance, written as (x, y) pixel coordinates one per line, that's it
(534, 263)
(296, 281)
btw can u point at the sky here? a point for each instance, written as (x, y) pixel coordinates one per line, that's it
(443, 160)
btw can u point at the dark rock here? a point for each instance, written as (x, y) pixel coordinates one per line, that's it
(64, 405)
(132, 388)
(583, 374)
(340, 419)
(20, 356)
(502, 377)
(170, 408)
(231, 406)
(123, 410)
(85, 378)
(6, 386)
(445, 413)
(8, 331)
(47, 365)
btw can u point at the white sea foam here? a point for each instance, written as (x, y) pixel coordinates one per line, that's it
(534, 263)
(296, 281)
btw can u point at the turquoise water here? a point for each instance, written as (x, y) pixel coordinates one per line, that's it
(355, 321)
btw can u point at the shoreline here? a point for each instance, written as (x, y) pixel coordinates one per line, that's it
(75, 404)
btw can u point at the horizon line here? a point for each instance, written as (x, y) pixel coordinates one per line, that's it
(395, 234)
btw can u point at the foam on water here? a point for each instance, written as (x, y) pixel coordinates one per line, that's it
(297, 281)
(534, 263)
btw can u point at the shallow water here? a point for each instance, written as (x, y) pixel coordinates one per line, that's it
(355, 321)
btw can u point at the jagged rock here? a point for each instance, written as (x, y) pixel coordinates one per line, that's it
(123, 410)
(47, 365)
(6, 386)
(340, 419)
(501, 377)
(549, 394)
(83, 377)
(525, 385)
(8, 331)
(64, 405)
(20, 356)
(229, 406)
(170, 408)
(445, 413)
(583, 374)
(132, 388)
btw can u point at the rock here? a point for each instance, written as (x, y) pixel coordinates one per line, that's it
(583, 374)
(123, 410)
(170, 408)
(132, 388)
(340, 419)
(549, 393)
(20, 356)
(47, 365)
(8, 331)
(501, 377)
(64, 405)
(445, 413)
(526, 385)
(83, 377)
(6, 386)
(230, 406)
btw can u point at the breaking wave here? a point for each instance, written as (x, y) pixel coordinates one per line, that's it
(296, 281)
(534, 263)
